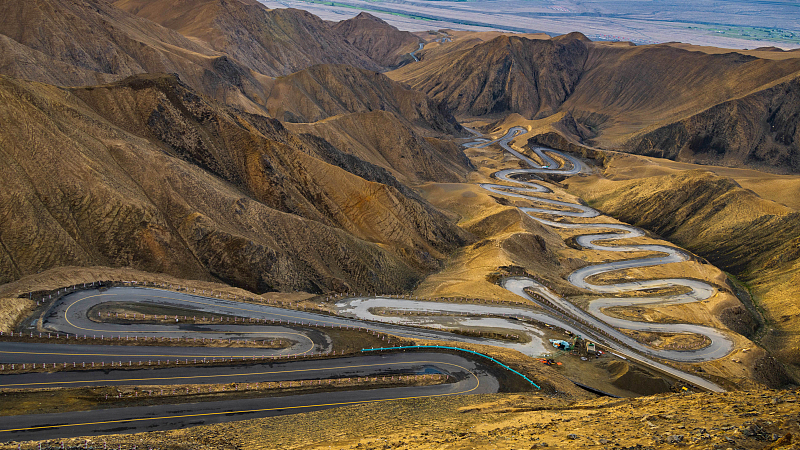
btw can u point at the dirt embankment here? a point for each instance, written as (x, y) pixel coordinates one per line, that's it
(41, 401)
(12, 310)
(751, 420)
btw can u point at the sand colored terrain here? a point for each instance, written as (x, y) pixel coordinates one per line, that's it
(756, 420)
(270, 42)
(749, 232)
(378, 138)
(12, 310)
(668, 100)
(781, 189)
(328, 90)
(382, 42)
(506, 74)
(507, 238)
(168, 166)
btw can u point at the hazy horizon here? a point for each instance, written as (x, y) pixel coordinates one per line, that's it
(732, 24)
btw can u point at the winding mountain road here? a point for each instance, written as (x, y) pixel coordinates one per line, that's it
(305, 331)
(469, 377)
(721, 344)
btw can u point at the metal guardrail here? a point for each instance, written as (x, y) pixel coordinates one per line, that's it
(406, 347)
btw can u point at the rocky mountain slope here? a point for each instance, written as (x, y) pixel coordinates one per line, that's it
(721, 107)
(86, 42)
(145, 173)
(324, 91)
(506, 74)
(759, 130)
(382, 42)
(377, 137)
(271, 42)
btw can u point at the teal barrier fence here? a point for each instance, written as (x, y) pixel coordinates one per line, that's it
(453, 348)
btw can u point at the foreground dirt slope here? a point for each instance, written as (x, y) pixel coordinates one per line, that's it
(746, 420)
(754, 238)
(146, 173)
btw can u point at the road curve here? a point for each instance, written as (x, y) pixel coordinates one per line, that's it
(697, 290)
(720, 346)
(470, 377)
(70, 315)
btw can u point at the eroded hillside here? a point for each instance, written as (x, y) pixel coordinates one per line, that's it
(269, 41)
(384, 43)
(686, 104)
(504, 75)
(149, 173)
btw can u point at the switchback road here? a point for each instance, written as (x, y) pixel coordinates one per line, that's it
(468, 377)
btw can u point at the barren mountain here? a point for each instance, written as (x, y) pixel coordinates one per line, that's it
(145, 173)
(504, 75)
(709, 106)
(86, 42)
(760, 129)
(382, 42)
(666, 101)
(378, 137)
(271, 42)
(324, 91)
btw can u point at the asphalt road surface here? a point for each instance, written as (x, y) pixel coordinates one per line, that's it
(306, 332)
(696, 290)
(470, 377)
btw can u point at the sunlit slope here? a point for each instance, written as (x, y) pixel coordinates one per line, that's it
(145, 173)
(269, 41)
(712, 106)
(753, 238)
(328, 90)
(506, 74)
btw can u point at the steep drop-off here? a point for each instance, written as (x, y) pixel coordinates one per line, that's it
(147, 174)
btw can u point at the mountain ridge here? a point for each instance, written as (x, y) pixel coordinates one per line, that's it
(186, 161)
